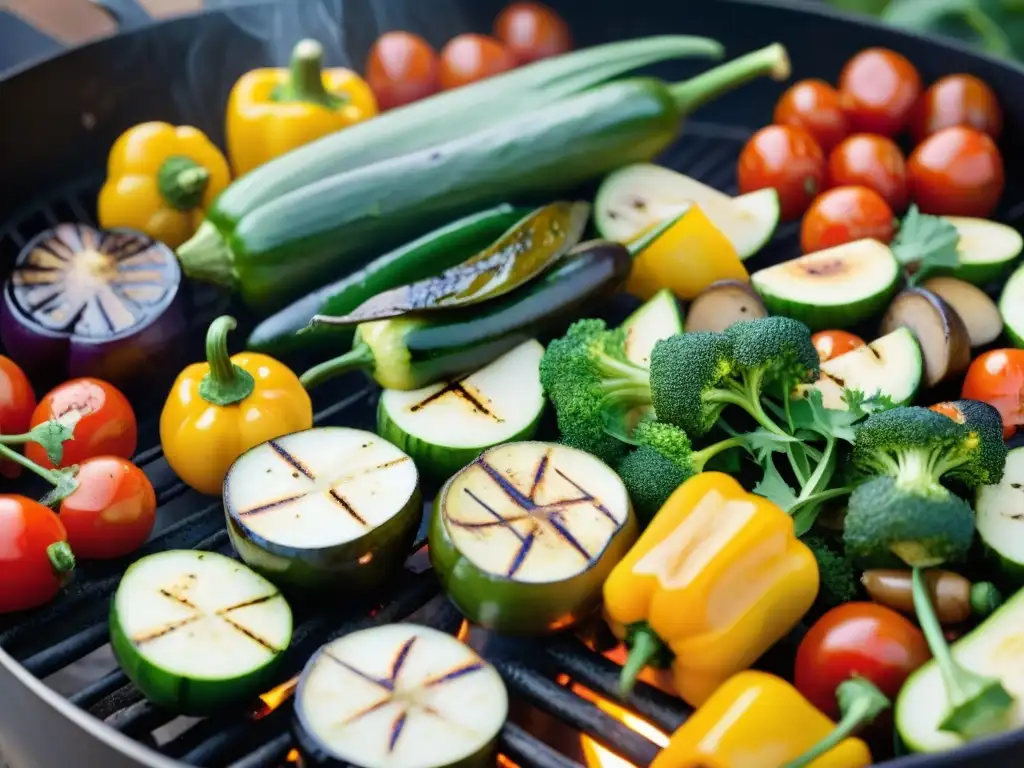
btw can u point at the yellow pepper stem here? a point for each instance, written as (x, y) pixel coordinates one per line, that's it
(305, 80)
(226, 383)
(182, 182)
(645, 649)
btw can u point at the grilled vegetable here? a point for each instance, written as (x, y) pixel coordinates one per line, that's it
(446, 425)
(986, 250)
(954, 598)
(945, 343)
(286, 246)
(835, 287)
(219, 409)
(723, 303)
(273, 111)
(198, 632)
(160, 180)
(658, 319)
(399, 695)
(82, 302)
(325, 508)
(438, 250)
(979, 313)
(35, 558)
(1011, 307)
(523, 537)
(447, 116)
(999, 521)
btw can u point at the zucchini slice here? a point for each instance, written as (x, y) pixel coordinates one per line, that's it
(197, 631)
(986, 249)
(1000, 519)
(890, 366)
(833, 288)
(634, 198)
(523, 538)
(992, 649)
(399, 696)
(657, 319)
(1011, 307)
(446, 425)
(325, 508)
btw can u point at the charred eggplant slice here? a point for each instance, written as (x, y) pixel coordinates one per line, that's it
(86, 302)
(944, 339)
(325, 508)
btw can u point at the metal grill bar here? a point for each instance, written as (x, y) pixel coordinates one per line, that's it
(524, 749)
(99, 690)
(270, 754)
(67, 651)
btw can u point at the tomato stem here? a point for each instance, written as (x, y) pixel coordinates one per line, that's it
(51, 435)
(226, 383)
(62, 559)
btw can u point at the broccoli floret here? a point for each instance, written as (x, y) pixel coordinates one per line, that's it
(591, 384)
(663, 460)
(886, 523)
(917, 447)
(780, 346)
(837, 576)
(985, 465)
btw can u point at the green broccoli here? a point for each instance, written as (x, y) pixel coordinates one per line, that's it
(778, 349)
(663, 460)
(836, 573)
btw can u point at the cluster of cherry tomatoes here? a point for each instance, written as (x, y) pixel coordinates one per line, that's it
(403, 67)
(831, 151)
(112, 509)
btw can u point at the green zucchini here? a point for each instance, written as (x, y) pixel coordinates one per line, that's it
(445, 116)
(1000, 520)
(1011, 307)
(425, 256)
(285, 247)
(328, 508)
(398, 696)
(446, 425)
(198, 632)
(658, 318)
(986, 250)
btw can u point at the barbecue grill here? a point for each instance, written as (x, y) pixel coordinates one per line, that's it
(62, 111)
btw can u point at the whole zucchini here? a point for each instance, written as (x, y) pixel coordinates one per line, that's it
(284, 248)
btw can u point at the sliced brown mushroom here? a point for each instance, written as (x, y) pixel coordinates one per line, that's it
(945, 342)
(723, 303)
(979, 313)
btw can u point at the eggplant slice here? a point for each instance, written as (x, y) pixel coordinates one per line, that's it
(723, 303)
(945, 343)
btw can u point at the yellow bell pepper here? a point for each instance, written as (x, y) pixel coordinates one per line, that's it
(716, 578)
(219, 409)
(757, 720)
(688, 258)
(273, 111)
(160, 180)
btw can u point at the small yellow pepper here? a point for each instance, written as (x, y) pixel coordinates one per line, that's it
(688, 258)
(715, 579)
(757, 720)
(160, 180)
(273, 111)
(219, 409)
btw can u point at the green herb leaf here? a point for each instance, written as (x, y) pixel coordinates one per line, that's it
(812, 418)
(763, 443)
(64, 484)
(51, 435)
(925, 243)
(774, 488)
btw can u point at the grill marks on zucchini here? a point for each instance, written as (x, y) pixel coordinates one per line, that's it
(459, 389)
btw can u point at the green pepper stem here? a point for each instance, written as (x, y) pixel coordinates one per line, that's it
(61, 558)
(226, 383)
(359, 358)
(182, 182)
(697, 91)
(860, 702)
(985, 598)
(305, 78)
(644, 647)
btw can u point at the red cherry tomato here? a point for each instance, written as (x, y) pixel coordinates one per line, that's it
(401, 68)
(997, 378)
(814, 105)
(957, 100)
(835, 343)
(532, 31)
(879, 88)
(956, 172)
(468, 58)
(845, 214)
(103, 420)
(862, 639)
(17, 401)
(112, 512)
(786, 158)
(870, 161)
(35, 559)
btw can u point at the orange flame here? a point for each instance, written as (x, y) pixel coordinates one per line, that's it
(275, 697)
(293, 757)
(597, 756)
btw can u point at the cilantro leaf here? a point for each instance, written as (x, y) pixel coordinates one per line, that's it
(925, 243)
(763, 443)
(774, 488)
(812, 418)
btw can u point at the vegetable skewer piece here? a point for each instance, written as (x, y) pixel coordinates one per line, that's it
(198, 632)
(327, 508)
(523, 538)
(399, 696)
(953, 597)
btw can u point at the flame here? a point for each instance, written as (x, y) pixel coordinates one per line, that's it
(275, 697)
(598, 756)
(293, 757)
(463, 634)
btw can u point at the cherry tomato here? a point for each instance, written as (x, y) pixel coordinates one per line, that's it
(956, 172)
(786, 158)
(879, 88)
(845, 214)
(35, 559)
(957, 100)
(863, 639)
(17, 401)
(532, 31)
(835, 343)
(468, 58)
(112, 512)
(870, 161)
(103, 420)
(814, 105)
(997, 378)
(401, 68)
(950, 411)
